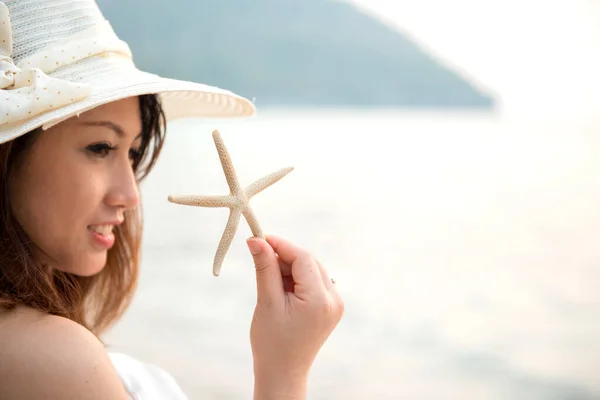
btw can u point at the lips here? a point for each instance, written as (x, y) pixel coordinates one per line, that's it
(102, 234)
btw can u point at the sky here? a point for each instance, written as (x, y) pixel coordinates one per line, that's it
(536, 56)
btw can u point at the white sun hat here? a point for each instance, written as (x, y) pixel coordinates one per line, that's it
(59, 58)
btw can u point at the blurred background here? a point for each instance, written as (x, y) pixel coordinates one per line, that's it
(446, 173)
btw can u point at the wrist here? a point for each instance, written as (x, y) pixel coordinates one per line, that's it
(277, 387)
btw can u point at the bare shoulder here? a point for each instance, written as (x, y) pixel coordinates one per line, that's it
(45, 356)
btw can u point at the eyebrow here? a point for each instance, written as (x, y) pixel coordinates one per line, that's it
(111, 125)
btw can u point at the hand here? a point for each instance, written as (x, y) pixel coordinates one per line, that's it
(297, 309)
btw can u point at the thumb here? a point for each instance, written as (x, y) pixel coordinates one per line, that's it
(269, 283)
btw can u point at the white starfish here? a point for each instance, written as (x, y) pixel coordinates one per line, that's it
(238, 201)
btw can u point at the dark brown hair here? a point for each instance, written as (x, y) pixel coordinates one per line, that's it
(95, 302)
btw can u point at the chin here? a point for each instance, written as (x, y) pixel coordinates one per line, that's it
(94, 266)
(88, 265)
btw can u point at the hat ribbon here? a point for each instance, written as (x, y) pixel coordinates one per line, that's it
(27, 91)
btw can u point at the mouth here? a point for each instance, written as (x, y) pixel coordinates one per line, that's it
(102, 235)
(102, 229)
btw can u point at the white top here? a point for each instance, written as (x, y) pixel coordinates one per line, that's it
(145, 381)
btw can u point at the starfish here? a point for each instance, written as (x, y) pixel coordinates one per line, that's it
(238, 201)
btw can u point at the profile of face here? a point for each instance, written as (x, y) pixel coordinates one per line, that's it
(74, 184)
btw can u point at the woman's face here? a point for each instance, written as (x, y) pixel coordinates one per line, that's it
(75, 183)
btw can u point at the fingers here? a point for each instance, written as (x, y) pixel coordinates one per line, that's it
(269, 280)
(305, 270)
(331, 287)
(283, 267)
(325, 275)
(286, 269)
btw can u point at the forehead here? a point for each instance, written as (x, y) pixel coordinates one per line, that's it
(125, 113)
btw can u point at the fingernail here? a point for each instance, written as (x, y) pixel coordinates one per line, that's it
(254, 246)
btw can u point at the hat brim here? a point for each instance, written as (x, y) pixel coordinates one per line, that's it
(115, 78)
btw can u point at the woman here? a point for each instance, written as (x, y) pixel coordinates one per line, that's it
(80, 127)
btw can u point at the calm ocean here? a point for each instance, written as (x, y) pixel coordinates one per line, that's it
(464, 244)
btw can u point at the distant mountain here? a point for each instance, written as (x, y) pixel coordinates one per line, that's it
(288, 53)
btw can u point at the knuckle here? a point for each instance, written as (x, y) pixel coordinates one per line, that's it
(341, 307)
(305, 255)
(262, 266)
(328, 308)
(337, 306)
(320, 264)
(325, 308)
(314, 261)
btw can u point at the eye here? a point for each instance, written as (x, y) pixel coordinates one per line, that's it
(134, 154)
(101, 149)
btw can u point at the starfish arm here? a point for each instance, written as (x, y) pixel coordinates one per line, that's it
(228, 234)
(264, 182)
(205, 201)
(253, 222)
(226, 163)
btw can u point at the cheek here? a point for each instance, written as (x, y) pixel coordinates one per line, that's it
(54, 203)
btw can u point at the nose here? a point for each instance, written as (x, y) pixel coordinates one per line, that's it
(124, 191)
